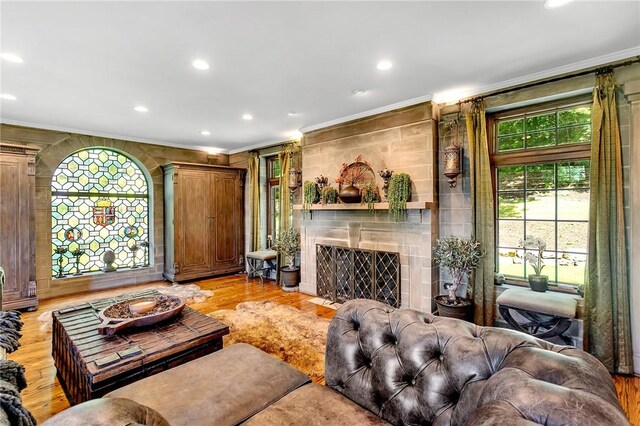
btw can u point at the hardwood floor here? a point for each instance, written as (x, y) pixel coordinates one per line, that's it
(44, 396)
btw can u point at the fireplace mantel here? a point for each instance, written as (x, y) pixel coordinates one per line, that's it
(414, 205)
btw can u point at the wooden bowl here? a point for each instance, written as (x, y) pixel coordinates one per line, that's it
(111, 325)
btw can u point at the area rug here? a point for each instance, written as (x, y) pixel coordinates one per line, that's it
(298, 338)
(190, 293)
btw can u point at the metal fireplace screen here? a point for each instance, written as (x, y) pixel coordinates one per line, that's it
(344, 274)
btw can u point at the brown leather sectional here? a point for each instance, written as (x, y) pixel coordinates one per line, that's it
(382, 366)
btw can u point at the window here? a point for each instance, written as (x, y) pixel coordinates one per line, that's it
(99, 201)
(273, 196)
(541, 164)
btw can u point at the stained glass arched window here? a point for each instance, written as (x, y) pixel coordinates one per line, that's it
(99, 202)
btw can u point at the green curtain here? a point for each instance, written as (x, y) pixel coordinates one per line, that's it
(284, 156)
(607, 317)
(253, 166)
(482, 214)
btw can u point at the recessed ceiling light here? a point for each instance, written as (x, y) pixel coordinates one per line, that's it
(292, 114)
(8, 97)
(552, 4)
(247, 117)
(358, 91)
(12, 57)
(205, 133)
(141, 108)
(384, 65)
(200, 64)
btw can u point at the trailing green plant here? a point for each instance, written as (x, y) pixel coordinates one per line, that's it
(310, 194)
(288, 245)
(328, 195)
(398, 194)
(370, 195)
(459, 256)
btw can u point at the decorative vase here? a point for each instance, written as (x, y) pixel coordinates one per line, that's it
(539, 283)
(350, 194)
(463, 311)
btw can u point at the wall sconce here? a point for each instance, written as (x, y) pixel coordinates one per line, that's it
(295, 179)
(452, 163)
(453, 156)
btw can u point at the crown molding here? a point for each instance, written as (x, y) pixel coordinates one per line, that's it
(103, 135)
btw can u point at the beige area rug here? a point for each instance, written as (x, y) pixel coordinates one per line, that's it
(190, 293)
(298, 338)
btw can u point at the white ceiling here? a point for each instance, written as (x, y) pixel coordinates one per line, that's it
(87, 64)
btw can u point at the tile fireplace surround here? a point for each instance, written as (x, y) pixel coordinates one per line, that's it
(374, 231)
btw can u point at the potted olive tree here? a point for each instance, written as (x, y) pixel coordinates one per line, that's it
(459, 256)
(288, 245)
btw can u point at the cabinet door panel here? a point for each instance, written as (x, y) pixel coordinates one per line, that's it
(227, 219)
(13, 227)
(193, 231)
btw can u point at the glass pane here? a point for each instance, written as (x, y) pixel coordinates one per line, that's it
(511, 205)
(543, 138)
(510, 127)
(571, 268)
(510, 178)
(546, 231)
(573, 236)
(573, 204)
(510, 232)
(540, 176)
(541, 205)
(577, 134)
(574, 174)
(276, 168)
(580, 115)
(508, 143)
(510, 263)
(540, 122)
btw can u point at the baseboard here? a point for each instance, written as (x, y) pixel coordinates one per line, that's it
(636, 364)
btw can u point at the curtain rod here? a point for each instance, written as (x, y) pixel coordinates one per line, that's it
(598, 70)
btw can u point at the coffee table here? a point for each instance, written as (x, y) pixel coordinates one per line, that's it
(91, 365)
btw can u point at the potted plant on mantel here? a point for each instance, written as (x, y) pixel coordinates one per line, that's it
(288, 245)
(537, 282)
(459, 256)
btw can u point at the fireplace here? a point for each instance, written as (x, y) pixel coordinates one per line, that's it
(344, 274)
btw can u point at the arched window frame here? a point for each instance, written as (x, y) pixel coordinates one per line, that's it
(130, 202)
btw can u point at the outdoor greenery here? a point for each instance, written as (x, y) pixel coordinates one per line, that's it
(288, 245)
(551, 201)
(328, 195)
(398, 194)
(459, 256)
(370, 195)
(568, 126)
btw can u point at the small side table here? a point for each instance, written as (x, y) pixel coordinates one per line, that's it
(260, 261)
(547, 314)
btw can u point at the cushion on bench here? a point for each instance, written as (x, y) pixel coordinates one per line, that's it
(556, 304)
(223, 388)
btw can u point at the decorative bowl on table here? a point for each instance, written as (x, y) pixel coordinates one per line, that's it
(142, 311)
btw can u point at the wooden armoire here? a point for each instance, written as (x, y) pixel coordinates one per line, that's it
(203, 220)
(17, 226)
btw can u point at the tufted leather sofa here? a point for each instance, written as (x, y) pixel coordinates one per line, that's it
(411, 368)
(382, 366)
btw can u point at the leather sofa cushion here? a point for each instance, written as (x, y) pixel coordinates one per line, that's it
(223, 388)
(314, 405)
(107, 411)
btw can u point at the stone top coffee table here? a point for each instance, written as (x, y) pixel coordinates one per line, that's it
(91, 365)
